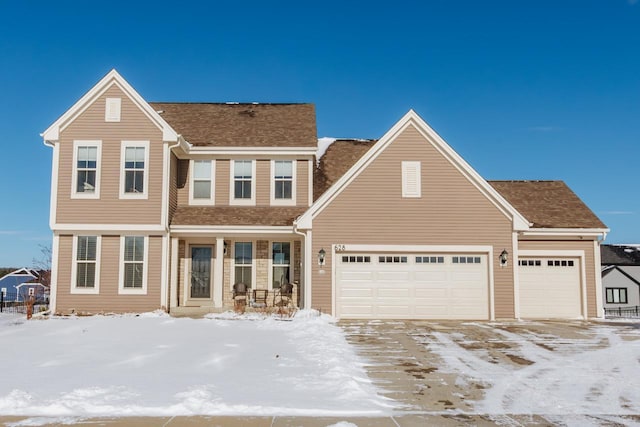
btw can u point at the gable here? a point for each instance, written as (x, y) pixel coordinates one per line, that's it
(92, 123)
(448, 202)
(423, 137)
(112, 79)
(622, 276)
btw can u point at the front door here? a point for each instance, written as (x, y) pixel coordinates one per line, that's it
(200, 283)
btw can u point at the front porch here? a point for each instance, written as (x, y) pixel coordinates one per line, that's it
(205, 268)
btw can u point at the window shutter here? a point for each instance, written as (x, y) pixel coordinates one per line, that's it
(411, 179)
(112, 110)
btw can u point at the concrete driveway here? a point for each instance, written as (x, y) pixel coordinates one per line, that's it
(508, 373)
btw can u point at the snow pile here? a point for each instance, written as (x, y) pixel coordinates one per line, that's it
(323, 145)
(157, 365)
(591, 376)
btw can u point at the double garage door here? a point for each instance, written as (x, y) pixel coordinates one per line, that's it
(412, 286)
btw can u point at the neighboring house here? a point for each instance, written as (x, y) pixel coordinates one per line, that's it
(620, 275)
(20, 284)
(167, 205)
(10, 283)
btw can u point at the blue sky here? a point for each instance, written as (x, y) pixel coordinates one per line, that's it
(521, 89)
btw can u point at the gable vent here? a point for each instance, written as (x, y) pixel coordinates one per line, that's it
(411, 179)
(112, 110)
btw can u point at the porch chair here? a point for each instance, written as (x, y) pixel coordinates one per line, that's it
(283, 298)
(240, 291)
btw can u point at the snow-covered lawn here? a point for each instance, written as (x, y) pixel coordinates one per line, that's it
(154, 364)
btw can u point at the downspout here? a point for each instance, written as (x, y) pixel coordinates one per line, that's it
(166, 247)
(306, 265)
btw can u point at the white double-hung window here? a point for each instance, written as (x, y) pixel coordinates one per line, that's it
(86, 265)
(243, 189)
(202, 182)
(86, 171)
(133, 271)
(135, 169)
(283, 182)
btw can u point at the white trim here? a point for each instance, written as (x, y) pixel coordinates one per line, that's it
(267, 152)
(145, 267)
(166, 167)
(164, 274)
(414, 248)
(231, 229)
(173, 286)
(272, 186)
(218, 274)
(308, 269)
(74, 266)
(112, 109)
(411, 173)
(232, 199)
(53, 204)
(515, 257)
(412, 119)
(74, 177)
(145, 192)
(566, 232)
(53, 286)
(598, 276)
(52, 133)
(563, 253)
(310, 170)
(101, 228)
(212, 196)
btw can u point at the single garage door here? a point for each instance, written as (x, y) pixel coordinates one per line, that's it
(550, 288)
(412, 286)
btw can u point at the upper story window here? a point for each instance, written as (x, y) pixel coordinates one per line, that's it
(133, 271)
(202, 188)
(112, 111)
(243, 186)
(283, 182)
(86, 172)
(86, 271)
(411, 180)
(134, 176)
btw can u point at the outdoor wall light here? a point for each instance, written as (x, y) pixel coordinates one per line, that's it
(224, 251)
(321, 254)
(503, 258)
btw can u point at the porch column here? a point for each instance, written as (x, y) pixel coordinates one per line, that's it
(173, 280)
(218, 273)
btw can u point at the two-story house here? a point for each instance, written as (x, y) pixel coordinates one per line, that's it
(168, 205)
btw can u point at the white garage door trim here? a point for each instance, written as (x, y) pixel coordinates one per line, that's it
(567, 253)
(339, 248)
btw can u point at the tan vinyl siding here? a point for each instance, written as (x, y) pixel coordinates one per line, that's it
(302, 182)
(572, 245)
(262, 182)
(182, 183)
(91, 125)
(108, 300)
(173, 185)
(222, 183)
(451, 211)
